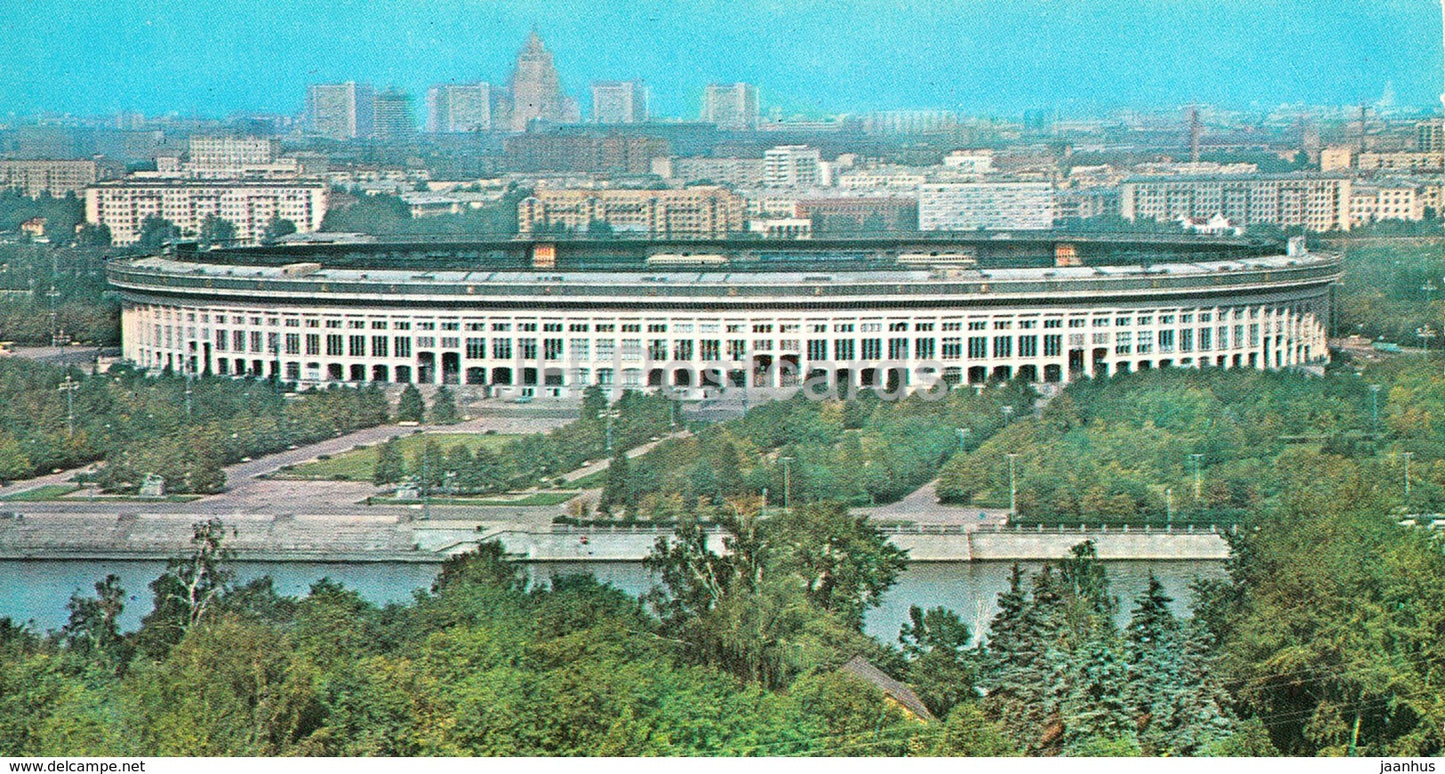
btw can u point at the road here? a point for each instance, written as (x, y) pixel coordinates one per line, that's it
(922, 507)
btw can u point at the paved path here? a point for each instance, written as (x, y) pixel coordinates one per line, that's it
(922, 507)
(247, 494)
(636, 451)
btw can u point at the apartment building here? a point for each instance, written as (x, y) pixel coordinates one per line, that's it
(1314, 202)
(985, 205)
(36, 177)
(705, 212)
(124, 205)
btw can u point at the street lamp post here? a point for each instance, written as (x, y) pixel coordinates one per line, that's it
(1408, 455)
(69, 388)
(787, 484)
(1007, 412)
(1429, 287)
(609, 415)
(1169, 507)
(1197, 487)
(1013, 491)
(962, 439)
(1375, 409)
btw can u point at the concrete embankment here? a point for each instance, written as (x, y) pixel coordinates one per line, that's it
(935, 544)
(367, 538)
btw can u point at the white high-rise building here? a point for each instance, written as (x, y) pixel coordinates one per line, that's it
(619, 102)
(792, 166)
(341, 111)
(991, 205)
(731, 105)
(459, 107)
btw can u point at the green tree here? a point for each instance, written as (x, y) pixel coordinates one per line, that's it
(188, 589)
(411, 407)
(617, 492)
(216, 230)
(93, 630)
(390, 464)
(276, 228)
(936, 646)
(845, 563)
(444, 408)
(155, 231)
(93, 235)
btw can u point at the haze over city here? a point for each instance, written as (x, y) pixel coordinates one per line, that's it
(808, 58)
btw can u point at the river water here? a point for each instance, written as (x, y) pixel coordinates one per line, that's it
(36, 591)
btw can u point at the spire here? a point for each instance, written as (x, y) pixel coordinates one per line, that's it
(534, 43)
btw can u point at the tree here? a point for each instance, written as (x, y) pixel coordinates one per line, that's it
(390, 464)
(617, 492)
(277, 228)
(428, 466)
(444, 408)
(935, 643)
(845, 563)
(94, 626)
(155, 231)
(187, 590)
(93, 235)
(216, 230)
(411, 407)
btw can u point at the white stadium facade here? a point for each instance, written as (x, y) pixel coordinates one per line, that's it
(548, 318)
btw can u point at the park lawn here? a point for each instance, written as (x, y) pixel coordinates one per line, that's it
(359, 464)
(41, 493)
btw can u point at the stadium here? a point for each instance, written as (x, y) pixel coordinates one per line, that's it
(547, 317)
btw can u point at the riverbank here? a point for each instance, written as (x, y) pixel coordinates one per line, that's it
(367, 538)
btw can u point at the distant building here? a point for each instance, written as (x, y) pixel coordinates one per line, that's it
(970, 162)
(393, 117)
(582, 153)
(731, 106)
(735, 172)
(1430, 136)
(619, 102)
(1085, 203)
(223, 154)
(781, 228)
(341, 111)
(1386, 200)
(985, 205)
(1314, 202)
(459, 107)
(909, 121)
(1336, 158)
(792, 166)
(124, 205)
(860, 214)
(884, 177)
(536, 89)
(1401, 161)
(36, 177)
(702, 213)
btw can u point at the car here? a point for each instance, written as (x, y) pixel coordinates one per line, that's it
(522, 399)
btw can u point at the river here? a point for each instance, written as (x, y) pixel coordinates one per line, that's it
(37, 590)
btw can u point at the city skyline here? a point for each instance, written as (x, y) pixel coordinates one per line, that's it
(999, 56)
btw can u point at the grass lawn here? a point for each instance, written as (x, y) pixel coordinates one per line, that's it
(590, 481)
(359, 464)
(41, 493)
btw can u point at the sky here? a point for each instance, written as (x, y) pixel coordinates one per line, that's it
(808, 57)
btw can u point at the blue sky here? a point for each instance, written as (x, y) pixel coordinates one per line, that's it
(213, 57)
